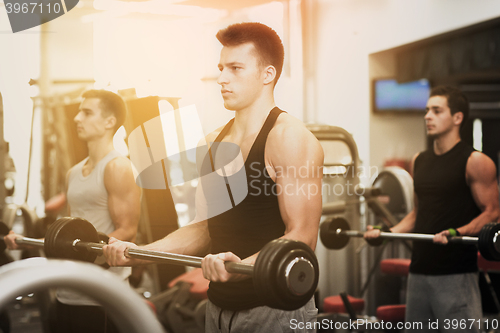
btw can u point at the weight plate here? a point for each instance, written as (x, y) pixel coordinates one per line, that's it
(286, 274)
(62, 235)
(489, 241)
(51, 237)
(328, 233)
(103, 238)
(298, 274)
(4, 230)
(47, 246)
(396, 185)
(262, 274)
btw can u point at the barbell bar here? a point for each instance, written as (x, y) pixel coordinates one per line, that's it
(285, 273)
(93, 247)
(335, 234)
(21, 240)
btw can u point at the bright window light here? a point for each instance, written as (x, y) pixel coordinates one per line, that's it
(477, 134)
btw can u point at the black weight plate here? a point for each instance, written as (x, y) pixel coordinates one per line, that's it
(47, 248)
(4, 230)
(302, 279)
(262, 274)
(103, 238)
(64, 235)
(49, 237)
(391, 185)
(269, 274)
(67, 232)
(288, 299)
(329, 238)
(489, 241)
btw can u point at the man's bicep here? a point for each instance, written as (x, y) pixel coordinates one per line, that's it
(123, 194)
(481, 172)
(299, 186)
(299, 197)
(300, 207)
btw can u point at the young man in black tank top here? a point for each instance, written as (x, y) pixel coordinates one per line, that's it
(456, 193)
(281, 202)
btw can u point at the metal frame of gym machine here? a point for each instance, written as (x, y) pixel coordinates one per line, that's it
(339, 270)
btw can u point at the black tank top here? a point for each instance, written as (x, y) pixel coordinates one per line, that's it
(444, 201)
(249, 225)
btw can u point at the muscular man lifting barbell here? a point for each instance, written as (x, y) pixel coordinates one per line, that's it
(283, 163)
(456, 193)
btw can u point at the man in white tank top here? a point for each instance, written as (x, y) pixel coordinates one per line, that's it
(102, 190)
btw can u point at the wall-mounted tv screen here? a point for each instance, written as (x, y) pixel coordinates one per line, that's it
(391, 96)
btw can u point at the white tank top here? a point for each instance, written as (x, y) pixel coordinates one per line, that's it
(88, 199)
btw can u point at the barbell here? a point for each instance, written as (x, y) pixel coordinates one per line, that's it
(335, 234)
(285, 274)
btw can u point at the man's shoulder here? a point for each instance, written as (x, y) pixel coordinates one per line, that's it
(287, 125)
(478, 159)
(119, 174)
(480, 168)
(118, 163)
(289, 134)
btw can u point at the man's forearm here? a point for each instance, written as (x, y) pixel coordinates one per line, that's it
(407, 224)
(192, 239)
(474, 227)
(124, 234)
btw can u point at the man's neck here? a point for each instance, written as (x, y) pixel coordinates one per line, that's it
(251, 119)
(98, 149)
(444, 143)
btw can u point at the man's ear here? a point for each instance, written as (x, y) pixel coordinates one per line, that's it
(458, 118)
(269, 74)
(110, 122)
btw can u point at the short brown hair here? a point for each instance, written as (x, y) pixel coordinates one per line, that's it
(265, 40)
(457, 101)
(111, 104)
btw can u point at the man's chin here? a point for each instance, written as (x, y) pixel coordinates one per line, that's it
(229, 106)
(432, 135)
